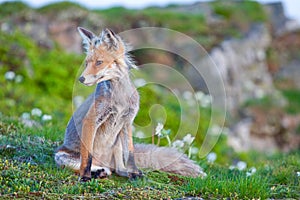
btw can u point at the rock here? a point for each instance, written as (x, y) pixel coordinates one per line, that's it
(47, 29)
(265, 130)
(239, 136)
(291, 72)
(243, 67)
(277, 16)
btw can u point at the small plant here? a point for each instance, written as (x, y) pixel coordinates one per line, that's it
(160, 132)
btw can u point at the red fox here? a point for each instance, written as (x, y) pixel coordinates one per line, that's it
(98, 137)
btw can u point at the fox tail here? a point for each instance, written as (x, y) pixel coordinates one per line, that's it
(166, 159)
(146, 156)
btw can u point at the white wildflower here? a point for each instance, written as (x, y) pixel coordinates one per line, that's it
(191, 102)
(187, 95)
(259, 93)
(249, 85)
(10, 75)
(139, 82)
(211, 157)
(215, 130)
(5, 27)
(273, 188)
(241, 165)
(78, 100)
(36, 112)
(251, 171)
(46, 117)
(158, 129)
(19, 78)
(25, 115)
(206, 101)
(199, 95)
(194, 150)
(188, 139)
(140, 134)
(226, 131)
(178, 144)
(261, 55)
(231, 167)
(202, 174)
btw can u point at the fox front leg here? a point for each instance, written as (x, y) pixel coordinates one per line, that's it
(93, 119)
(132, 169)
(120, 151)
(86, 146)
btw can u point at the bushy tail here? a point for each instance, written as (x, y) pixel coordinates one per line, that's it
(67, 159)
(146, 156)
(166, 159)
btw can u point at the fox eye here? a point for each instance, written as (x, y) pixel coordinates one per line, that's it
(99, 62)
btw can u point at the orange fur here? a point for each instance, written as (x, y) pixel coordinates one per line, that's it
(99, 134)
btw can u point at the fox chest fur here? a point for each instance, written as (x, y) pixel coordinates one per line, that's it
(121, 102)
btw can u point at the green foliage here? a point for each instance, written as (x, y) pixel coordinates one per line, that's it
(119, 18)
(8, 8)
(236, 186)
(282, 172)
(60, 6)
(253, 10)
(28, 171)
(292, 96)
(176, 116)
(193, 24)
(237, 16)
(179, 21)
(47, 77)
(265, 102)
(233, 10)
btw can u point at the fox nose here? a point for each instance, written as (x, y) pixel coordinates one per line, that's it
(81, 79)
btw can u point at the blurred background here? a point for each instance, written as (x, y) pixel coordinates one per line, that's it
(256, 45)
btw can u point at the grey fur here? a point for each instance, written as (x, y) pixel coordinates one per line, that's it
(115, 104)
(165, 159)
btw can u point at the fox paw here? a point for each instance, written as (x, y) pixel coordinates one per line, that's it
(122, 173)
(100, 173)
(84, 179)
(135, 174)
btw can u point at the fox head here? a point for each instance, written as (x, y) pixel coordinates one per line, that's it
(106, 57)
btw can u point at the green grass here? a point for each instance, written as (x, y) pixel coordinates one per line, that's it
(231, 10)
(291, 95)
(28, 171)
(44, 73)
(26, 154)
(60, 6)
(9, 8)
(222, 182)
(293, 98)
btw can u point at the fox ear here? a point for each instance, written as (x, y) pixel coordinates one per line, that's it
(87, 37)
(85, 34)
(109, 38)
